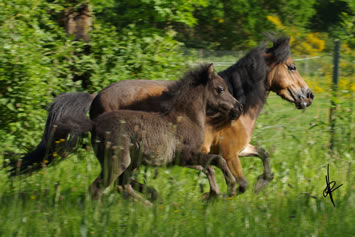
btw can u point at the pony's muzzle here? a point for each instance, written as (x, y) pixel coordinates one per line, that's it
(236, 111)
(305, 99)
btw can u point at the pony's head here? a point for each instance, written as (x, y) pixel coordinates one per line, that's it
(219, 100)
(202, 87)
(283, 77)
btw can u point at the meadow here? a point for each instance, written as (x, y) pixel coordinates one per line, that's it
(55, 201)
(50, 47)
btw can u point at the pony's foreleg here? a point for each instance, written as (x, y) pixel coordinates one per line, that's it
(192, 159)
(263, 179)
(210, 172)
(235, 166)
(209, 136)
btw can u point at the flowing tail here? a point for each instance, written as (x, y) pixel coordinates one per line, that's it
(68, 110)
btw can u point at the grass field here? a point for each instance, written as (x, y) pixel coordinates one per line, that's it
(55, 202)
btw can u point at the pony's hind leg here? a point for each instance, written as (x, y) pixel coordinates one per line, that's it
(113, 163)
(127, 188)
(267, 176)
(150, 192)
(125, 182)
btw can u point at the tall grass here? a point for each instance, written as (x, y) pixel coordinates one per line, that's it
(55, 202)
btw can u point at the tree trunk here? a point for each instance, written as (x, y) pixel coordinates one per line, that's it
(78, 21)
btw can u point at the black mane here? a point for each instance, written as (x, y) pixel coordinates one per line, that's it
(246, 78)
(280, 49)
(195, 76)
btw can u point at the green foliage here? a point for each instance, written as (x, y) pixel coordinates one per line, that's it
(38, 61)
(133, 54)
(34, 56)
(147, 13)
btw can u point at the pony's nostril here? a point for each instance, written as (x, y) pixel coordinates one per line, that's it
(310, 94)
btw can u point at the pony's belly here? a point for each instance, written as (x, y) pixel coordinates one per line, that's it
(229, 140)
(157, 160)
(162, 157)
(158, 156)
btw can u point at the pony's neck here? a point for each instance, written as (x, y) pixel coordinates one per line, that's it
(189, 103)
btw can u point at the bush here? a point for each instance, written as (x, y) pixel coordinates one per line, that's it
(39, 61)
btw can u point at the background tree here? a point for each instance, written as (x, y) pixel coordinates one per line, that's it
(240, 24)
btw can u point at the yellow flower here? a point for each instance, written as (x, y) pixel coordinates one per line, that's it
(33, 197)
(62, 140)
(54, 154)
(45, 161)
(276, 21)
(317, 44)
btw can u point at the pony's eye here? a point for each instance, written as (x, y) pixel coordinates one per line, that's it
(219, 90)
(292, 68)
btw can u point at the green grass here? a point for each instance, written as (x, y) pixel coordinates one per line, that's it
(55, 202)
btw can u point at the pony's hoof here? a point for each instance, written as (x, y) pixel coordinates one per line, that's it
(210, 196)
(261, 183)
(152, 194)
(148, 203)
(243, 185)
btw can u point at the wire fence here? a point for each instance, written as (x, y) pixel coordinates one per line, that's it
(308, 65)
(322, 69)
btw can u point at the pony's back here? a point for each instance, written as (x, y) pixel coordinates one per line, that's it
(151, 135)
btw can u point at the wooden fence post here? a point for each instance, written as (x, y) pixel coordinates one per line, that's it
(333, 106)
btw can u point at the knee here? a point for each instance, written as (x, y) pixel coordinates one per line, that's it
(219, 161)
(263, 153)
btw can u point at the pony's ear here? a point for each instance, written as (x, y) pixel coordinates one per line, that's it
(211, 70)
(203, 74)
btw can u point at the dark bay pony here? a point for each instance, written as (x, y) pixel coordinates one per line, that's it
(173, 135)
(250, 80)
